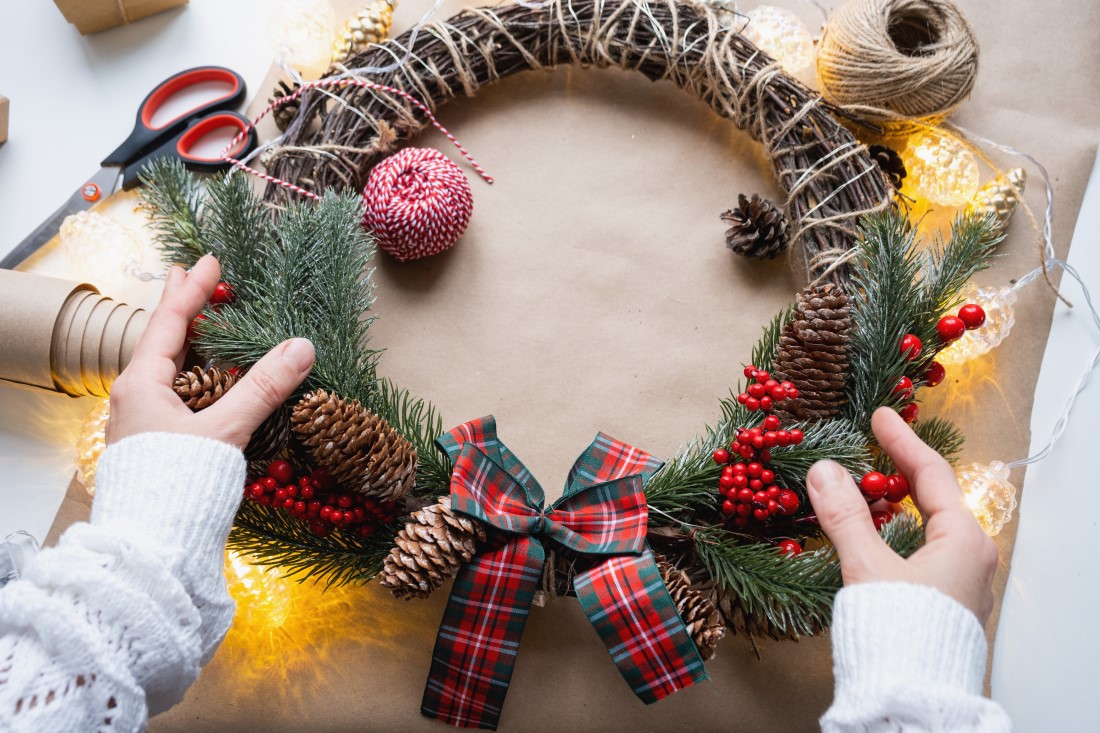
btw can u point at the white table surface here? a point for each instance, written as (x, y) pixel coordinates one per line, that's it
(73, 100)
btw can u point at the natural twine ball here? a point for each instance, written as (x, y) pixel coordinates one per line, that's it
(418, 203)
(915, 58)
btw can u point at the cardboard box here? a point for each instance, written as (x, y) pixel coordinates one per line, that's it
(3, 118)
(93, 16)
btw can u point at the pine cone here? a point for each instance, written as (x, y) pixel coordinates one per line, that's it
(430, 549)
(813, 353)
(758, 228)
(698, 613)
(271, 437)
(738, 621)
(200, 388)
(354, 445)
(370, 25)
(890, 163)
(285, 113)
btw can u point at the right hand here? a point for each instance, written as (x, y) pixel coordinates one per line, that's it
(957, 558)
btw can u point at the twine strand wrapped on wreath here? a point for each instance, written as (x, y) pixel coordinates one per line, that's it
(829, 178)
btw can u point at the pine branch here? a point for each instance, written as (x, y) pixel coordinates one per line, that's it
(173, 197)
(837, 440)
(237, 228)
(420, 424)
(767, 348)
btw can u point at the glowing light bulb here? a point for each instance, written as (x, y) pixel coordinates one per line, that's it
(725, 11)
(99, 249)
(997, 302)
(90, 444)
(941, 169)
(780, 34)
(263, 598)
(302, 34)
(988, 494)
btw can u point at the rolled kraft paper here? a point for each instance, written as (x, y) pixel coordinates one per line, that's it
(91, 370)
(66, 360)
(29, 309)
(134, 328)
(111, 344)
(77, 367)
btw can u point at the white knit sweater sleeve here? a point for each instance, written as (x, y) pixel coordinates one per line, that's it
(113, 624)
(908, 658)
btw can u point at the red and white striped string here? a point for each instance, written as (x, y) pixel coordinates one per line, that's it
(340, 84)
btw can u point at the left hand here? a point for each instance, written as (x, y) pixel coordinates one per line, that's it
(142, 399)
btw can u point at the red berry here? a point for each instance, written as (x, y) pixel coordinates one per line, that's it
(321, 479)
(772, 491)
(744, 509)
(326, 512)
(721, 456)
(744, 495)
(727, 470)
(366, 530)
(904, 388)
(761, 514)
(909, 412)
(760, 497)
(269, 483)
(319, 528)
(747, 452)
(299, 507)
(788, 501)
(306, 492)
(766, 403)
(910, 347)
(281, 471)
(740, 522)
(280, 494)
(767, 476)
(223, 293)
(728, 507)
(972, 315)
(762, 376)
(796, 436)
(754, 469)
(288, 503)
(752, 404)
(758, 440)
(255, 491)
(750, 371)
(789, 547)
(765, 455)
(336, 516)
(897, 488)
(770, 439)
(792, 394)
(740, 481)
(193, 327)
(344, 501)
(783, 437)
(771, 422)
(880, 518)
(359, 514)
(292, 491)
(756, 484)
(950, 328)
(873, 485)
(314, 508)
(726, 483)
(742, 397)
(773, 506)
(935, 374)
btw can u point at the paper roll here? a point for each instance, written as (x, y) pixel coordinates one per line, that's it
(64, 336)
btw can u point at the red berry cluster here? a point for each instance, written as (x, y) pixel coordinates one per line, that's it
(876, 485)
(315, 500)
(223, 294)
(747, 486)
(970, 316)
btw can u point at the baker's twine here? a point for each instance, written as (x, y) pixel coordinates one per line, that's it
(418, 203)
(916, 58)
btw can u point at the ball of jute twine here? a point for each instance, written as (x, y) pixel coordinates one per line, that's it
(912, 58)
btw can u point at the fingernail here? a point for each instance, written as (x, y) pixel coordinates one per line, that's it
(825, 474)
(299, 353)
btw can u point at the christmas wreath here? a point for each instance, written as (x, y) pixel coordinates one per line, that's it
(356, 478)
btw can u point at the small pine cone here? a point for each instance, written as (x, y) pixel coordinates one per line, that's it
(200, 388)
(434, 544)
(703, 622)
(285, 113)
(739, 621)
(758, 228)
(891, 164)
(271, 437)
(357, 447)
(813, 353)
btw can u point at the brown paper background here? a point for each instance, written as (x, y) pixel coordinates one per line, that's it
(593, 292)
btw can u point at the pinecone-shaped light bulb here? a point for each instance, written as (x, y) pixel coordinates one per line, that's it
(90, 444)
(997, 302)
(942, 169)
(263, 598)
(99, 248)
(988, 493)
(999, 197)
(370, 25)
(780, 34)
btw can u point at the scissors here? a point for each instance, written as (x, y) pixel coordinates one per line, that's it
(176, 138)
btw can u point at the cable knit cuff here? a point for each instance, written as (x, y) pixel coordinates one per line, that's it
(884, 632)
(170, 486)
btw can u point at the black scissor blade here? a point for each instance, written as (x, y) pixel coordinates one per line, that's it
(107, 181)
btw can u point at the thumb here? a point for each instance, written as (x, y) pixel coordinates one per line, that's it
(262, 390)
(843, 514)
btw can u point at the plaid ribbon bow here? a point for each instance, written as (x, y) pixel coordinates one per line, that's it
(602, 515)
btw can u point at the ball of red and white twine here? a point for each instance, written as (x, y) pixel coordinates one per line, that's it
(418, 203)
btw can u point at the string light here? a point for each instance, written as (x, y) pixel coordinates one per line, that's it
(988, 494)
(780, 34)
(725, 11)
(941, 169)
(263, 598)
(90, 444)
(997, 302)
(302, 34)
(99, 249)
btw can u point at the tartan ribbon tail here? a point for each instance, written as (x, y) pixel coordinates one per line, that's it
(478, 640)
(628, 605)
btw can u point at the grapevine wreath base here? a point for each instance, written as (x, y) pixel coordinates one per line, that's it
(347, 482)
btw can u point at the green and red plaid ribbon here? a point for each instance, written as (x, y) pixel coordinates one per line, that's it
(602, 515)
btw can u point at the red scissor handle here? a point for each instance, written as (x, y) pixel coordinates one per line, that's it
(183, 146)
(145, 137)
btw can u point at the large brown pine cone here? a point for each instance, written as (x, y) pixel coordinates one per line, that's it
(434, 544)
(285, 113)
(356, 447)
(271, 437)
(813, 353)
(703, 622)
(200, 388)
(758, 228)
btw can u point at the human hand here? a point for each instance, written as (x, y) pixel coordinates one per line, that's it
(957, 558)
(142, 399)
